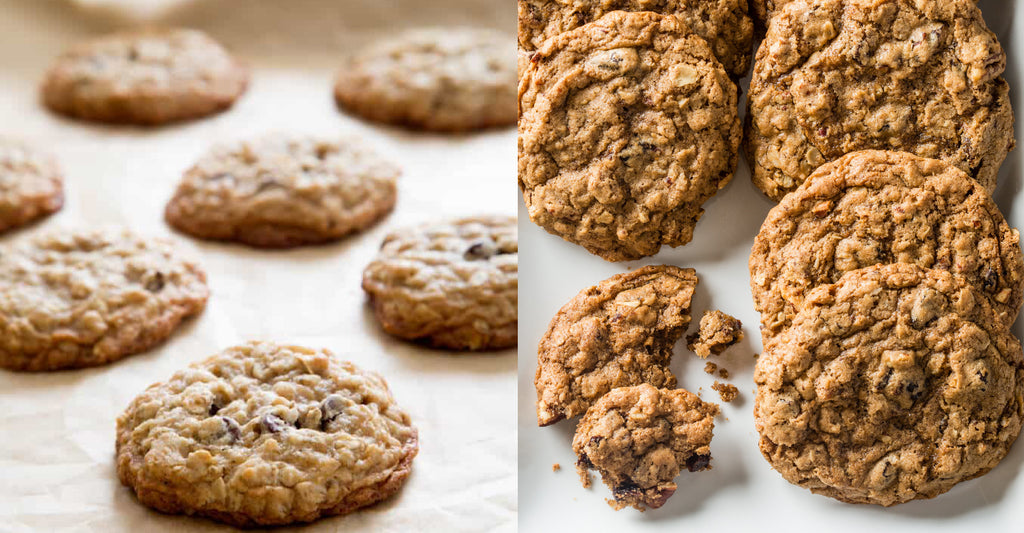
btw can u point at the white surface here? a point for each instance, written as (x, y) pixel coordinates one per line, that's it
(57, 430)
(741, 493)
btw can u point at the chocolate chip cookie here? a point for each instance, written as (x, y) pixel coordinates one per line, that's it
(717, 332)
(147, 77)
(265, 434)
(282, 191)
(893, 384)
(628, 126)
(836, 76)
(616, 334)
(85, 298)
(31, 184)
(450, 284)
(875, 207)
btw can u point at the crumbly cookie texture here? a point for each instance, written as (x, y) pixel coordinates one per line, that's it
(265, 434)
(724, 24)
(73, 299)
(628, 126)
(717, 332)
(451, 284)
(639, 438)
(442, 79)
(616, 334)
(726, 391)
(31, 184)
(146, 77)
(836, 76)
(893, 384)
(280, 191)
(875, 207)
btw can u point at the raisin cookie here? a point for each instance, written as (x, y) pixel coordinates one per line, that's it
(147, 77)
(31, 185)
(265, 434)
(639, 438)
(279, 191)
(836, 76)
(628, 126)
(449, 80)
(717, 332)
(616, 334)
(451, 284)
(893, 384)
(79, 299)
(875, 207)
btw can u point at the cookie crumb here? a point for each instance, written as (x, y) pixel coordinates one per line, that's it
(727, 391)
(717, 332)
(723, 373)
(710, 368)
(556, 467)
(583, 469)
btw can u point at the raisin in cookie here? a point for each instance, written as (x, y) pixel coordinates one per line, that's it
(79, 299)
(452, 79)
(836, 76)
(639, 438)
(265, 434)
(147, 77)
(894, 384)
(279, 191)
(451, 284)
(31, 185)
(717, 332)
(875, 207)
(628, 126)
(616, 334)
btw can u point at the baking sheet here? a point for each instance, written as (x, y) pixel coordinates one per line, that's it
(57, 430)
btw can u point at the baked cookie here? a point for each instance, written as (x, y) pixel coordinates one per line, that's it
(147, 77)
(717, 332)
(836, 76)
(628, 126)
(639, 438)
(449, 80)
(279, 191)
(724, 24)
(265, 434)
(616, 334)
(875, 207)
(31, 185)
(85, 298)
(451, 284)
(894, 384)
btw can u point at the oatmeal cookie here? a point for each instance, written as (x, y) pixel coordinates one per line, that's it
(31, 185)
(717, 332)
(727, 391)
(265, 434)
(893, 384)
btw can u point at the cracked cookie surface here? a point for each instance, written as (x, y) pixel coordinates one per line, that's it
(31, 184)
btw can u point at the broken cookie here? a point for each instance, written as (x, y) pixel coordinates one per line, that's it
(717, 332)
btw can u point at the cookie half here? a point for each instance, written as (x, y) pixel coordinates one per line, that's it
(31, 185)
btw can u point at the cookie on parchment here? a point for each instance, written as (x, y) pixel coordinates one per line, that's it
(31, 184)
(836, 76)
(265, 434)
(147, 77)
(85, 298)
(893, 384)
(628, 126)
(281, 191)
(450, 284)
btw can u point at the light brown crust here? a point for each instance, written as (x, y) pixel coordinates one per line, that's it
(31, 185)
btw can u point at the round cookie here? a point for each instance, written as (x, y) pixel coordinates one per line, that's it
(31, 185)
(265, 434)
(279, 191)
(443, 79)
(450, 284)
(628, 126)
(874, 207)
(618, 333)
(639, 438)
(894, 384)
(836, 76)
(724, 24)
(146, 77)
(85, 298)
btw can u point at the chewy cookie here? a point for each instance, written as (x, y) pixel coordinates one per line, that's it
(450, 79)
(875, 207)
(616, 334)
(451, 284)
(836, 76)
(265, 434)
(279, 191)
(147, 77)
(893, 384)
(79, 299)
(31, 185)
(717, 332)
(628, 126)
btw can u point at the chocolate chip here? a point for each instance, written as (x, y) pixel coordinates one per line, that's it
(214, 408)
(696, 463)
(272, 424)
(478, 251)
(330, 408)
(584, 462)
(231, 428)
(156, 283)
